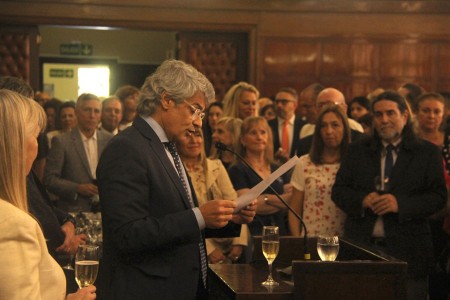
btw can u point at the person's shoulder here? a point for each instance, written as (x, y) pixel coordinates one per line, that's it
(104, 134)
(11, 215)
(273, 123)
(422, 145)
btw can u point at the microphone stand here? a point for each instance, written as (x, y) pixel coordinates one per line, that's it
(306, 254)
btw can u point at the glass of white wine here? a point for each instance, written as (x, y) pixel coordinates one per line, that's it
(328, 247)
(270, 247)
(86, 265)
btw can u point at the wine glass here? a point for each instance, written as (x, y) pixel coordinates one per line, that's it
(381, 184)
(270, 247)
(69, 257)
(86, 265)
(328, 247)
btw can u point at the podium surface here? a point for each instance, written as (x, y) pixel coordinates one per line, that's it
(358, 271)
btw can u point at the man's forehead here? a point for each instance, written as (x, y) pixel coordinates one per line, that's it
(384, 105)
(284, 95)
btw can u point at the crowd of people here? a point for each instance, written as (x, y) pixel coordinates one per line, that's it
(148, 160)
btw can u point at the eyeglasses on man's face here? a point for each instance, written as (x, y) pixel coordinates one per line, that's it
(283, 101)
(196, 112)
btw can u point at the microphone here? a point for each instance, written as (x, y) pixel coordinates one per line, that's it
(307, 255)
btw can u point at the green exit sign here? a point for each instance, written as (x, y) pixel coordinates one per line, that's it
(61, 73)
(76, 49)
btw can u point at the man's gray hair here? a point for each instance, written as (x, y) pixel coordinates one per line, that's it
(179, 80)
(86, 97)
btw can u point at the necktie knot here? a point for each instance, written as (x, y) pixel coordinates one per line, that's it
(389, 148)
(171, 147)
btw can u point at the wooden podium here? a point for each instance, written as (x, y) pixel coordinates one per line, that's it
(359, 272)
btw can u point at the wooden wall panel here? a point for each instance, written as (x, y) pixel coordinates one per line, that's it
(336, 60)
(355, 66)
(406, 59)
(444, 62)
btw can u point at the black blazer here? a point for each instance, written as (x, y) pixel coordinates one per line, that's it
(298, 124)
(417, 182)
(151, 236)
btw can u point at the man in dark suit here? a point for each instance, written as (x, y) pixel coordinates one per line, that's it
(286, 126)
(73, 158)
(389, 185)
(153, 228)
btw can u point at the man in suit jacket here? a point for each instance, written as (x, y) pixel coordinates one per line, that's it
(73, 158)
(153, 231)
(286, 102)
(394, 217)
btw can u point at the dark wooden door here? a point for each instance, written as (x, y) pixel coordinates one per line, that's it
(222, 57)
(19, 53)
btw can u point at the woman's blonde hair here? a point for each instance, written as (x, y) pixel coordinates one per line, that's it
(19, 118)
(231, 99)
(247, 126)
(233, 126)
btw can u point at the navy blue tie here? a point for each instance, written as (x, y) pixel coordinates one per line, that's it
(176, 159)
(389, 162)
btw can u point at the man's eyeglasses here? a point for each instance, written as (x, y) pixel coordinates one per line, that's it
(196, 112)
(282, 101)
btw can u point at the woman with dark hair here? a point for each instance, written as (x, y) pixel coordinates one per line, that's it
(66, 120)
(268, 112)
(256, 147)
(314, 175)
(212, 114)
(430, 116)
(358, 107)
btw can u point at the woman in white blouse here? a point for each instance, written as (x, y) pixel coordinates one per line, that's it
(315, 173)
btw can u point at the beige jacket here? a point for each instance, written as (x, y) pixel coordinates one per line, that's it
(27, 271)
(218, 186)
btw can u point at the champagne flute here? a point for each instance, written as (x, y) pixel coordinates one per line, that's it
(86, 265)
(270, 247)
(328, 247)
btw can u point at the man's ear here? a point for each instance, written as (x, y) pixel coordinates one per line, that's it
(165, 100)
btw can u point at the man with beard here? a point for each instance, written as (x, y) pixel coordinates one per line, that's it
(389, 185)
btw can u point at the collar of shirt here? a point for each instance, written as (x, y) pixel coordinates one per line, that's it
(396, 144)
(290, 121)
(85, 139)
(157, 128)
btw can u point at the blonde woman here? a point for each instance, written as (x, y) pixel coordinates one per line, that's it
(27, 271)
(211, 181)
(227, 131)
(241, 101)
(256, 147)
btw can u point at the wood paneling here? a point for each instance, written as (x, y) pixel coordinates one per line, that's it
(355, 66)
(352, 45)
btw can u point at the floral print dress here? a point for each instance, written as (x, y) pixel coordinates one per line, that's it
(320, 214)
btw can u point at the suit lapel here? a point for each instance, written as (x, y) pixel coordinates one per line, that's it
(404, 157)
(158, 148)
(79, 148)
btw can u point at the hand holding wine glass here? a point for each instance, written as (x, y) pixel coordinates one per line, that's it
(86, 265)
(270, 248)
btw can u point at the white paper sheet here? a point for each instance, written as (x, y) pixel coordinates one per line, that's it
(257, 190)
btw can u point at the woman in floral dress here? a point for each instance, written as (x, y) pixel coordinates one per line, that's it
(314, 175)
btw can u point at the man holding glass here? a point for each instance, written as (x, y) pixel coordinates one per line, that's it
(153, 228)
(389, 185)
